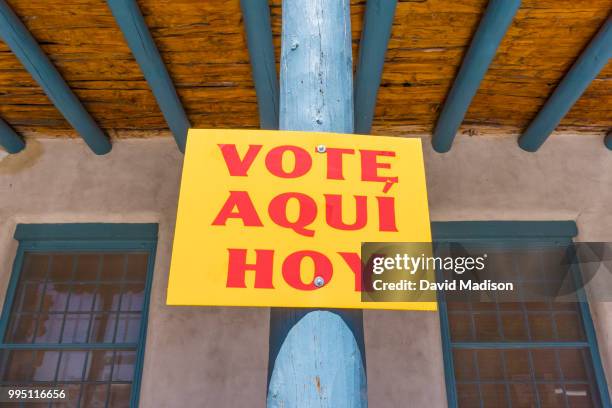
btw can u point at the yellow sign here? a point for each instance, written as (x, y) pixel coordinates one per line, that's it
(277, 218)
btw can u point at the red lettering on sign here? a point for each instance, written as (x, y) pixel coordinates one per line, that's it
(353, 261)
(262, 267)
(307, 212)
(370, 166)
(244, 209)
(333, 212)
(386, 214)
(237, 166)
(301, 166)
(292, 269)
(334, 162)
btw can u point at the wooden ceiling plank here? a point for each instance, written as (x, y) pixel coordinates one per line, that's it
(586, 68)
(9, 139)
(375, 37)
(491, 30)
(139, 39)
(261, 53)
(36, 62)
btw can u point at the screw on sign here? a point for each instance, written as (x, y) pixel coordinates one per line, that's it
(239, 205)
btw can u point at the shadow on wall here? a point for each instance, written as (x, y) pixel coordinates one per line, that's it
(14, 163)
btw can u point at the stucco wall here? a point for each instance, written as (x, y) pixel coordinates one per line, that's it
(217, 357)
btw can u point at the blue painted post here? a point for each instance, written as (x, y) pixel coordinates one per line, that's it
(491, 30)
(586, 68)
(375, 36)
(137, 35)
(256, 15)
(9, 139)
(27, 50)
(316, 356)
(608, 140)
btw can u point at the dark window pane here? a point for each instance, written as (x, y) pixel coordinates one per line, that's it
(49, 328)
(464, 364)
(569, 327)
(493, 395)
(71, 365)
(107, 297)
(99, 365)
(103, 328)
(29, 297)
(120, 395)
(75, 328)
(579, 396)
(545, 364)
(487, 328)
(514, 327)
(460, 327)
(21, 329)
(94, 396)
(517, 365)
(137, 267)
(72, 396)
(82, 297)
(19, 366)
(56, 296)
(45, 365)
(522, 395)
(490, 365)
(132, 298)
(113, 268)
(87, 267)
(551, 395)
(62, 267)
(540, 326)
(468, 396)
(128, 328)
(572, 364)
(35, 266)
(123, 369)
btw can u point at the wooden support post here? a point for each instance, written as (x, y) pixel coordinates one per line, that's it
(9, 139)
(586, 68)
(491, 30)
(377, 25)
(36, 62)
(258, 28)
(139, 39)
(316, 356)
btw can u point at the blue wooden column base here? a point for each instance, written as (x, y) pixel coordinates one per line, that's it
(326, 346)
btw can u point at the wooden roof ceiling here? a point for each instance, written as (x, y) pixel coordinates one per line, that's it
(203, 45)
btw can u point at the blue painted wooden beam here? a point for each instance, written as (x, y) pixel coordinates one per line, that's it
(27, 50)
(137, 35)
(258, 28)
(608, 140)
(586, 68)
(9, 139)
(375, 36)
(491, 30)
(316, 356)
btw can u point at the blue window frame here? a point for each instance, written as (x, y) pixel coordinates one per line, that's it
(75, 312)
(550, 358)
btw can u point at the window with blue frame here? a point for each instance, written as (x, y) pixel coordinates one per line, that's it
(520, 353)
(76, 310)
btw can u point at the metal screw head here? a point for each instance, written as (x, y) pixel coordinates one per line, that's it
(319, 281)
(321, 148)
